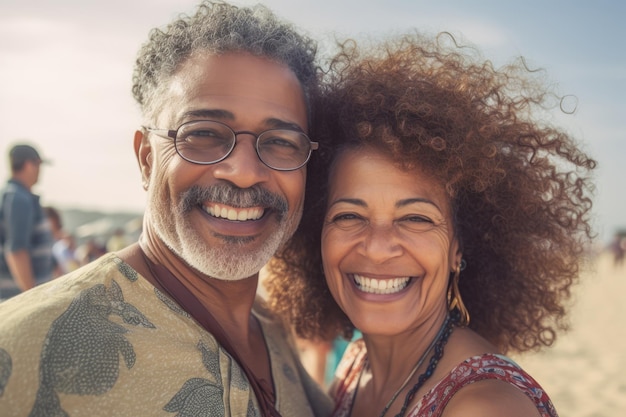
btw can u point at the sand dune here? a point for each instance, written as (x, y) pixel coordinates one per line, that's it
(585, 371)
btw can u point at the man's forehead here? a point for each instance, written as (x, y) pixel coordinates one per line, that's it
(210, 67)
(229, 83)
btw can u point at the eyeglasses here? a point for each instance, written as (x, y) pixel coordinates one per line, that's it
(207, 142)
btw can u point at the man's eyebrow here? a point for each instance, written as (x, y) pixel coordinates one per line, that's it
(282, 124)
(220, 114)
(208, 114)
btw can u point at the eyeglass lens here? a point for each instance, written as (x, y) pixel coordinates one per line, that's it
(209, 142)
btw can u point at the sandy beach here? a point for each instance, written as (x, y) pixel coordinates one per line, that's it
(584, 372)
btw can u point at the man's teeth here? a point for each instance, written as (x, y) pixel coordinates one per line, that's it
(381, 286)
(230, 213)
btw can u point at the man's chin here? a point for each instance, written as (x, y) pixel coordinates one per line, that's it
(226, 258)
(232, 264)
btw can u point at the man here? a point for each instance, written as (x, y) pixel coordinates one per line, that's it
(25, 236)
(167, 326)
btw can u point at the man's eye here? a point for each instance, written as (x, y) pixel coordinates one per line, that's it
(204, 133)
(206, 139)
(278, 141)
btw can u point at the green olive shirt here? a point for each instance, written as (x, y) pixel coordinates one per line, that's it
(102, 341)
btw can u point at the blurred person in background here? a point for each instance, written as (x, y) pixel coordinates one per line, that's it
(25, 235)
(618, 248)
(117, 241)
(90, 250)
(64, 247)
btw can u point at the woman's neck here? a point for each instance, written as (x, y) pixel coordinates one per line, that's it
(395, 361)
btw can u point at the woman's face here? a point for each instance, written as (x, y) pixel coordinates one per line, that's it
(388, 243)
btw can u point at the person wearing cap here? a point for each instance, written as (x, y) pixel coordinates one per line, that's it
(25, 236)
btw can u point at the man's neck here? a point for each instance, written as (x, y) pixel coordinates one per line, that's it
(21, 180)
(229, 302)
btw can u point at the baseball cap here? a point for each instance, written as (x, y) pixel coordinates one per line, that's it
(21, 153)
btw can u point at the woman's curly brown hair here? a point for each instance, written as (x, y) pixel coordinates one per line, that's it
(520, 188)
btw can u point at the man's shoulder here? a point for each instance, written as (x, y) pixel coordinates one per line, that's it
(16, 195)
(98, 288)
(54, 297)
(14, 187)
(265, 314)
(274, 326)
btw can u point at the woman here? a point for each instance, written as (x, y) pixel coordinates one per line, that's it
(452, 227)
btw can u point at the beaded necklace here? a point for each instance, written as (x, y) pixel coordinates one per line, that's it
(438, 342)
(434, 360)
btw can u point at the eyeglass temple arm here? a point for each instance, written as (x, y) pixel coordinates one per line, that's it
(164, 133)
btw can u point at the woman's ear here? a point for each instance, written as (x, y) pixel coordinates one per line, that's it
(143, 152)
(456, 255)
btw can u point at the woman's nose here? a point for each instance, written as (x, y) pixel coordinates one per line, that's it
(381, 243)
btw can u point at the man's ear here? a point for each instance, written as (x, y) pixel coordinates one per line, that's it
(143, 152)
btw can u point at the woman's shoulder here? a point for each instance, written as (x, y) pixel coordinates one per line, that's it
(352, 360)
(347, 372)
(491, 397)
(489, 384)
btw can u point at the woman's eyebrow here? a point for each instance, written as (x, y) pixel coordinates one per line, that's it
(402, 203)
(354, 201)
(409, 201)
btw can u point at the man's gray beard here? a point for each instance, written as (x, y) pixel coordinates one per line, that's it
(233, 261)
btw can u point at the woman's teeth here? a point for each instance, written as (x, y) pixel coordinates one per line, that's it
(231, 213)
(381, 286)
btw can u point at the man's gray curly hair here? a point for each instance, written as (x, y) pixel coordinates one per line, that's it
(218, 27)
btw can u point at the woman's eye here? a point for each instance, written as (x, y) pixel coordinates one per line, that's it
(347, 220)
(418, 219)
(345, 217)
(417, 223)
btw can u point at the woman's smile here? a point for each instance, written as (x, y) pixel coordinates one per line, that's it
(380, 286)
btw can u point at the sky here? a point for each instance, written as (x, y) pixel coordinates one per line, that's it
(66, 66)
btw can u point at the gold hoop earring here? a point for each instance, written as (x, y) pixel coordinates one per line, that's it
(454, 296)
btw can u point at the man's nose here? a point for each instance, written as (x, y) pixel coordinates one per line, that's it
(243, 167)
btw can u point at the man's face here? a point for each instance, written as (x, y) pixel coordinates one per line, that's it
(227, 219)
(33, 167)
